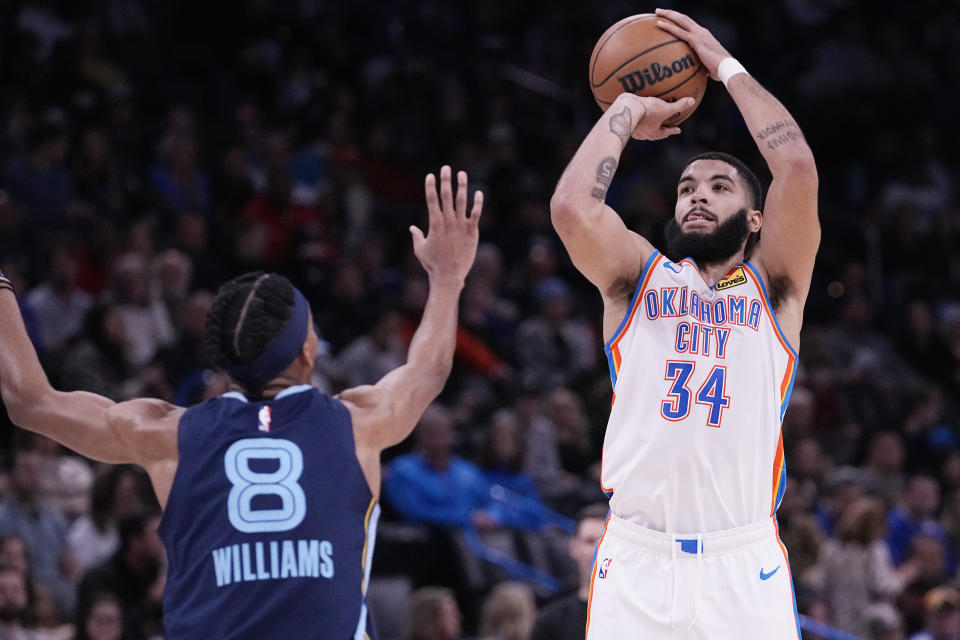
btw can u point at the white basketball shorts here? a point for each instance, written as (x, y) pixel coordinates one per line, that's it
(722, 585)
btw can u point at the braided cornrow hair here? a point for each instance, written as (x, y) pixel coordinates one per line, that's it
(246, 316)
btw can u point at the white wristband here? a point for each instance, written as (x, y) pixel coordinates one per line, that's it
(728, 68)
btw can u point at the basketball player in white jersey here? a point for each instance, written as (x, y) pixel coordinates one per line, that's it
(702, 349)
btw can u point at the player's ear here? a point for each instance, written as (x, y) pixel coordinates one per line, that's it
(308, 352)
(754, 220)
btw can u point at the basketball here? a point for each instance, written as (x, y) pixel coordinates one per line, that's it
(636, 55)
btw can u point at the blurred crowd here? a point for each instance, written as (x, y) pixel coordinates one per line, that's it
(149, 151)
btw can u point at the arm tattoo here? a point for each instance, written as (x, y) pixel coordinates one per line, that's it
(779, 134)
(604, 175)
(621, 124)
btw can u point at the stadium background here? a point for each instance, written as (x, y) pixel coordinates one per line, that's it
(149, 151)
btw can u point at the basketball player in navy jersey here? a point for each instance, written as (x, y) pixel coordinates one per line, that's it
(269, 491)
(701, 351)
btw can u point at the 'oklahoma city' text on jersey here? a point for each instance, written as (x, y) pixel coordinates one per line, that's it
(702, 376)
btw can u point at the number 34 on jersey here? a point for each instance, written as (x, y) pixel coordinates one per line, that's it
(711, 393)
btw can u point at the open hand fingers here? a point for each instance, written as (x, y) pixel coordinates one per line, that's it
(682, 104)
(418, 238)
(461, 194)
(446, 190)
(672, 29)
(661, 110)
(661, 133)
(666, 132)
(433, 202)
(477, 207)
(681, 19)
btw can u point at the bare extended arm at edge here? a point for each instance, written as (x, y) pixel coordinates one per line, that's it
(90, 424)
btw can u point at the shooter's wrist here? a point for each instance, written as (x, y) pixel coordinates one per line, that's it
(6, 283)
(728, 68)
(632, 100)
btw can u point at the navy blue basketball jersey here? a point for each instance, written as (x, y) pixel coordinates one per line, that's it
(270, 523)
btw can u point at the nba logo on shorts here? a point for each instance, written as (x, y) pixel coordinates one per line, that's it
(263, 419)
(604, 568)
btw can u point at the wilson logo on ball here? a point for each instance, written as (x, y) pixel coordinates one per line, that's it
(637, 80)
(636, 56)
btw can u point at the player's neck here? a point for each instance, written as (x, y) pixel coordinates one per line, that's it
(274, 387)
(713, 272)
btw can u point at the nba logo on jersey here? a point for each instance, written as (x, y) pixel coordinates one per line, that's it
(263, 419)
(604, 568)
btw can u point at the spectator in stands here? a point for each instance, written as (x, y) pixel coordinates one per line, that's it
(117, 491)
(950, 473)
(921, 343)
(351, 308)
(928, 428)
(886, 456)
(179, 181)
(15, 555)
(191, 237)
(508, 612)
(942, 615)
(433, 615)
(929, 555)
(279, 218)
(844, 486)
(572, 428)
(98, 362)
(916, 515)
(807, 460)
(503, 456)
(44, 529)
(145, 319)
(14, 605)
(98, 176)
(432, 485)
(883, 622)
(171, 274)
(951, 519)
(471, 353)
(65, 479)
(854, 567)
(516, 501)
(101, 619)
(39, 180)
(59, 305)
(565, 618)
(372, 356)
(134, 574)
(818, 611)
(186, 356)
(554, 348)
(542, 452)
(489, 315)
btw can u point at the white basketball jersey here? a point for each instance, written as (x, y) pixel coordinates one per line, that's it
(702, 376)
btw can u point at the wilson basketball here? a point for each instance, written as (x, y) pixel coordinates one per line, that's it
(636, 55)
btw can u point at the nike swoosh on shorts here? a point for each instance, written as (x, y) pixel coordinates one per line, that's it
(767, 576)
